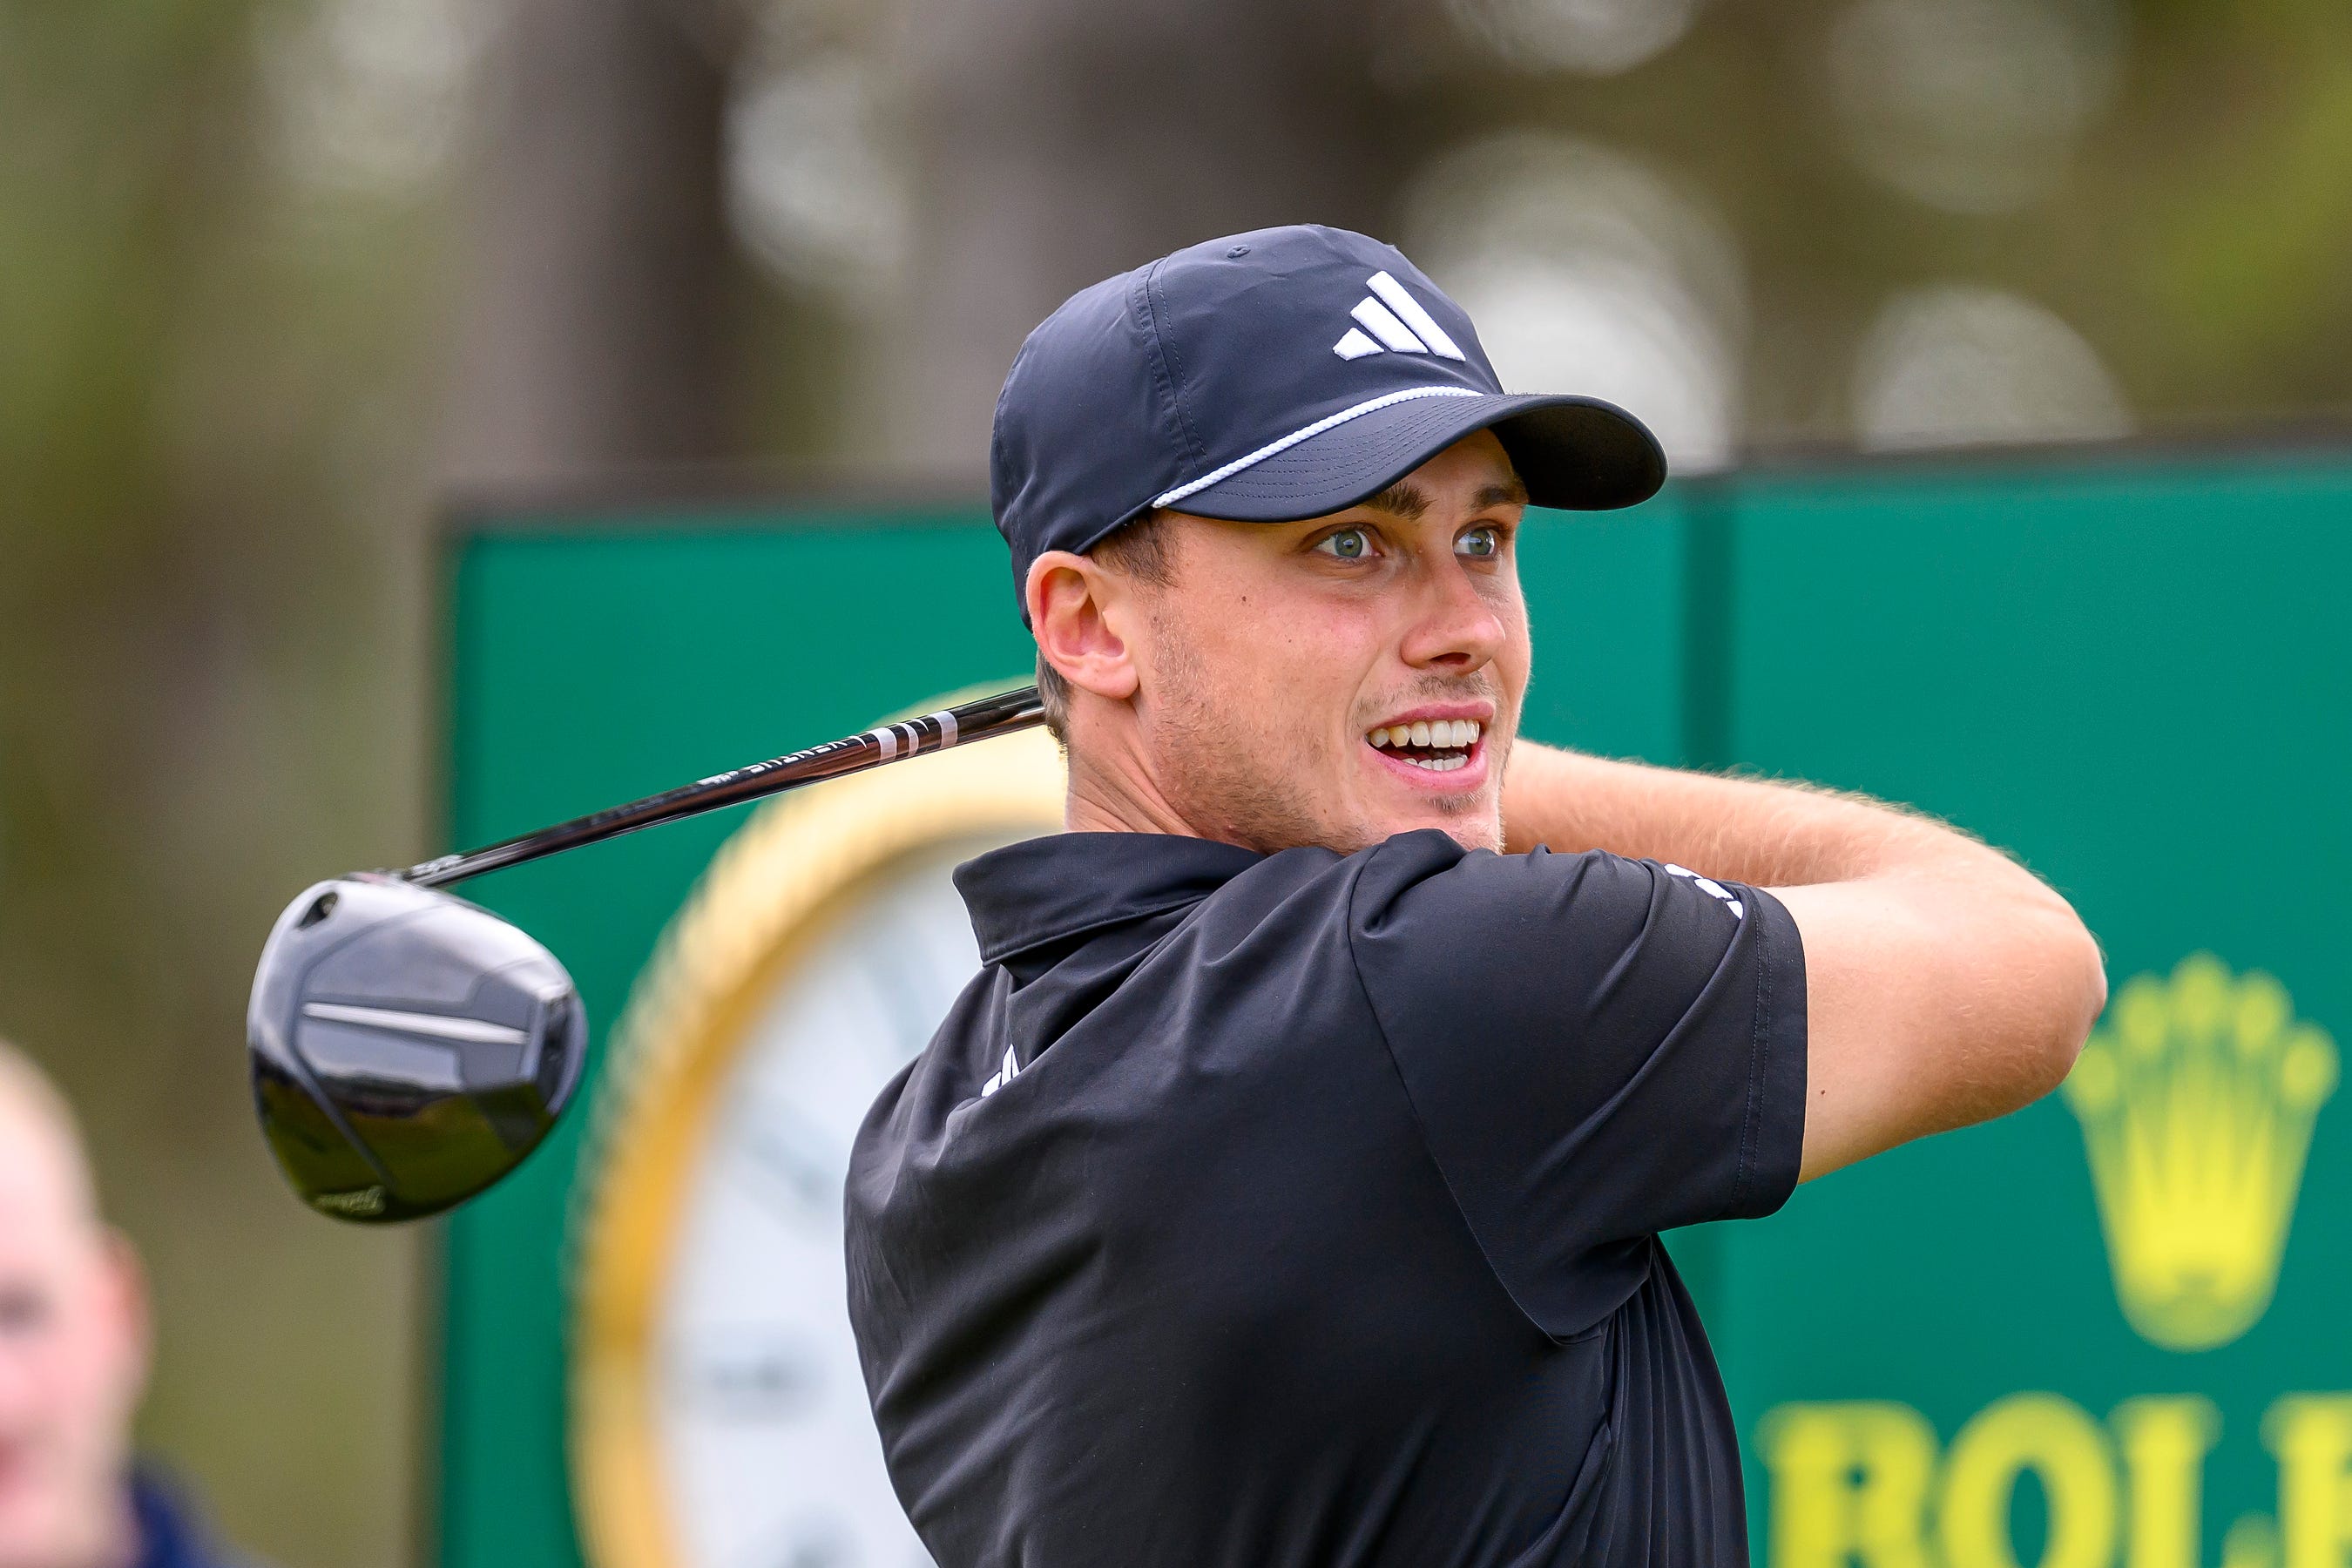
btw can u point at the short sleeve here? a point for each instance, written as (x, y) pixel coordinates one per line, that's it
(1596, 1048)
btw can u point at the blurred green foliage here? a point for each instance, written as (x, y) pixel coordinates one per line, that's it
(216, 401)
(2196, 232)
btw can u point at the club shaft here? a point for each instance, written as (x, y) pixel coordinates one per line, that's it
(990, 716)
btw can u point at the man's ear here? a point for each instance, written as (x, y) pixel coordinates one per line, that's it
(130, 1306)
(1081, 616)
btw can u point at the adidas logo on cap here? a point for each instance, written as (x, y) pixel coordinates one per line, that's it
(1171, 383)
(1398, 320)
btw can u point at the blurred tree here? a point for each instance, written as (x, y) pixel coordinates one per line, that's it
(1057, 141)
(598, 334)
(210, 444)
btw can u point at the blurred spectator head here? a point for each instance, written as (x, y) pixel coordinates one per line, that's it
(73, 1340)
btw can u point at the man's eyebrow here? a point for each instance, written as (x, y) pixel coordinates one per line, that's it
(1405, 500)
(1399, 499)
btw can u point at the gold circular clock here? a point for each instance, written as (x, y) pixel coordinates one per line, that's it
(718, 1415)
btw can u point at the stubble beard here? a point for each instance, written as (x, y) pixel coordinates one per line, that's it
(1238, 791)
(1223, 790)
(1477, 816)
(1482, 810)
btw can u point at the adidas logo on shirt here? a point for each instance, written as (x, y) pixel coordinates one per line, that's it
(1710, 886)
(1397, 320)
(1004, 1075)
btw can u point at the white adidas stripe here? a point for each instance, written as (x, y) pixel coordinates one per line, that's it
(1408, 309)
(1388, 318)
(1394, 316)
(1382, 322)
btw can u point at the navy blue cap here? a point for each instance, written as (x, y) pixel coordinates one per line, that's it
(1267, 377)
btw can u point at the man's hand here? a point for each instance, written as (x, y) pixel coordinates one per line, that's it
(1945, 984)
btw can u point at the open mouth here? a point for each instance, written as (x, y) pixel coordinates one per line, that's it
(1438, 745)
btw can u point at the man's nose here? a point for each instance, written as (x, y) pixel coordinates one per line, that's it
(1459, 629)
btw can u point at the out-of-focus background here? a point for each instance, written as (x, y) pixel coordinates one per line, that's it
(279, 278)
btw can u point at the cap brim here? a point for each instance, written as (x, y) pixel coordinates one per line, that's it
(1576, 453)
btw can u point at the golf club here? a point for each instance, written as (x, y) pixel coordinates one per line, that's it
(409, 1048)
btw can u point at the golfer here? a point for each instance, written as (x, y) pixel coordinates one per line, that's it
(1286, 1190)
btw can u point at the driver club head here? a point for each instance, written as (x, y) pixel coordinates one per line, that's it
(408, 1048)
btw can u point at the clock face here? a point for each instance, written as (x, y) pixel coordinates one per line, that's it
(760, 1422)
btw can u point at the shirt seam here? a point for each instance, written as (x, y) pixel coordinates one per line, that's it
(1758, 1062)
(1428, 1146)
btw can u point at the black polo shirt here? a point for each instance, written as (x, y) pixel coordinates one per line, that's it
(1302, 1209)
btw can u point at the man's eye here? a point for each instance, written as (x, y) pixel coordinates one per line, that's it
(1348, 544)
(1481, 543)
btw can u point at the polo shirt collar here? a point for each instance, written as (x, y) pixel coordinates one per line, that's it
(1048, 890)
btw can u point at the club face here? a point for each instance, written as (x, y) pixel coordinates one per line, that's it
(408, 1048)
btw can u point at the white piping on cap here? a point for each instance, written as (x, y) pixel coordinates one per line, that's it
(1170, 498)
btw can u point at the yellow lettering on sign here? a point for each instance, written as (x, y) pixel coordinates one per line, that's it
(1861, 1484)
(2252, 1542)
(2056, 1439)
(2165, 1440)
(2311, 1434)
(1849, 1484)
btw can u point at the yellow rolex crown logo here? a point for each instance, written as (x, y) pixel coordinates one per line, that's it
(2196, 1097)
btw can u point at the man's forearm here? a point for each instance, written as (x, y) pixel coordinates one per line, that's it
(1744, 830)
(1944, 983)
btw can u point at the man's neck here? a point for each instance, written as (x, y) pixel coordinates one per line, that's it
(1105, 800)
(1113, 788)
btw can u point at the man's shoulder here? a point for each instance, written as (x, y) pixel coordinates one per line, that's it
(1306, 893)
(1426, 876)
(1422, 878)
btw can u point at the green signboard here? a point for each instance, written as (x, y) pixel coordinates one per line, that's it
(592, 662)
(589, 664)
(2108, 1330)
(2097, 1334)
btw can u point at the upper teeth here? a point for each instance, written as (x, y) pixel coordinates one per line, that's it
(1441, 734)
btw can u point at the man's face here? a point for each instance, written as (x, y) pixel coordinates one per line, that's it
(72, 1354)
(1341, 679)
